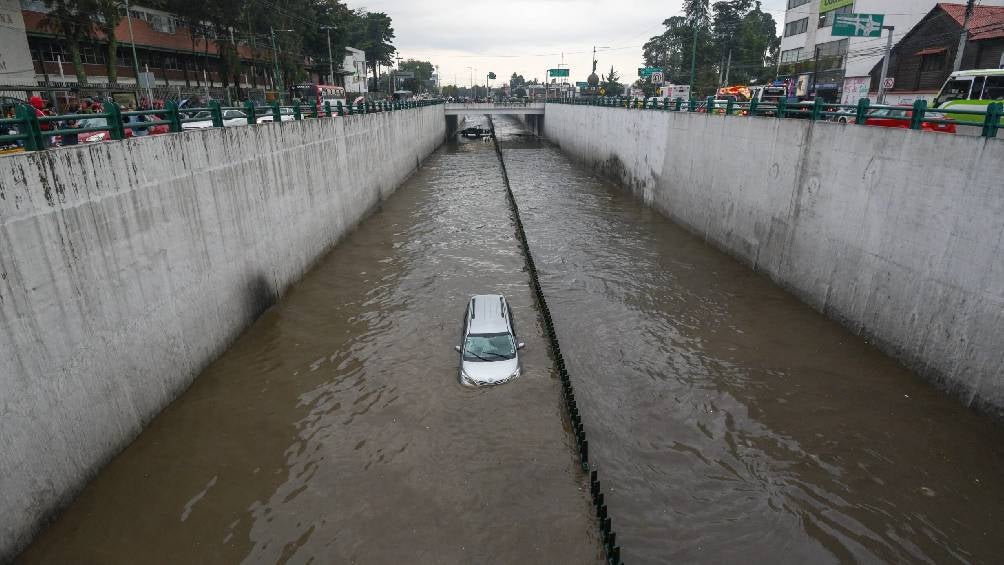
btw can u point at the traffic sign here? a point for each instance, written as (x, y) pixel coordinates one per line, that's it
(657, 78)
(858, 25)
(491, 76)
(648, 71)
(581, 84)
(889, 82)
(557, 72)
(404, 74)
(603, 91)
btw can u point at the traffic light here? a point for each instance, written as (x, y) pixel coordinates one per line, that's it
(491, 76)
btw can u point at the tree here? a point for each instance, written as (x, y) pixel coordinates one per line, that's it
(109, 14)
(610, 83)
(375, 39)
(738, 26)
(423, 73)
(71, 20)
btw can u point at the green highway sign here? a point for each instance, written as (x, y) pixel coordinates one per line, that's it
(830, 5)
(557, 72)
(858, 25)
(582, 84)
(648, 71)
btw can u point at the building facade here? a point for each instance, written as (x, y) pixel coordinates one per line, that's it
(839, 68)
(167, 55)
(922, 61)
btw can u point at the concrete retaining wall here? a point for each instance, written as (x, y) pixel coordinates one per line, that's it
(126, 267)
(895, 233)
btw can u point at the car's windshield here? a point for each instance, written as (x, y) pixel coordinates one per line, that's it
(489, 347)
(954, 89)
(92, 123)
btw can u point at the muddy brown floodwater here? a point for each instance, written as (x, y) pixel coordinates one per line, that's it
(732, 423)
(335, 429)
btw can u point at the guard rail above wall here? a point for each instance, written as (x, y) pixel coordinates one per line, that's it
(914, 117)
(28, 130)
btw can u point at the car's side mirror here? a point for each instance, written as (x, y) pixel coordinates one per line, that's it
(520, 345)
(457, 347)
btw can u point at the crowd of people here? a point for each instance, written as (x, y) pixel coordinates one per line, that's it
(76, 113)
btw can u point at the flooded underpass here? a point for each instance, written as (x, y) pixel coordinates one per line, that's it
(732, 423)
(335, 430)
(729, 422)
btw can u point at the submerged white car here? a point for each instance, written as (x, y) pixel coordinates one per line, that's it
(490, 353)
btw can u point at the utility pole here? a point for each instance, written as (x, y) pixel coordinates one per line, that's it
(728, 66)
(136, 59)
(963, 37)
(331, 60)
(693, 59)
(885, 63)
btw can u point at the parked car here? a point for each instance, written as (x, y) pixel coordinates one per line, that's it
(489, 354)
(265, 115)
(96, 136)
(205, 119)
(900, 118)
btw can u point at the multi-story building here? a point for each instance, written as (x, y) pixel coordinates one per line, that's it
(167, 54)
(838, 68)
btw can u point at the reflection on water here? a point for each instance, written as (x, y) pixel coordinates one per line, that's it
(733, 423)
(335, 428)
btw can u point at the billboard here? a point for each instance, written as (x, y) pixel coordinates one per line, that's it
(15, 58)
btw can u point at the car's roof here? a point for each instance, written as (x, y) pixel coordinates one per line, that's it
(488, 314)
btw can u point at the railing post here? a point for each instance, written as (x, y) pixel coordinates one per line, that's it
(29, 127)
(817, 109)
(992, 119)
(360, 108)
(692, 104)
(753, 106)
(710, 107)
(917, 118)
(276, 112)
(782, 107)
(327, 108)
(679, 103)
(114, 117)
(728, 107)
(296, 111)
(249, 110)
(341, 110)
(313, 110)
(216, 112)
(861, 114)
(173, 116)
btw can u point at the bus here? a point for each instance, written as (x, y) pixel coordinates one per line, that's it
(317, 94)
(970, 90)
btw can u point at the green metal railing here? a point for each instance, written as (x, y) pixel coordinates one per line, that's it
(915, 116)
(32, 133)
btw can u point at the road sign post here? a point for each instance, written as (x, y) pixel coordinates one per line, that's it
(885, 65)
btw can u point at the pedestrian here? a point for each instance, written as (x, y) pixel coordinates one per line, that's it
(38, 105)
(69, 138)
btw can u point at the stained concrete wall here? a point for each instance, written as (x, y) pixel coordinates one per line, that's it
(126, 267)
(895, 233)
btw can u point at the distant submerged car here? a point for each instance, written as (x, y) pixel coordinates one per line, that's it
(489, 354)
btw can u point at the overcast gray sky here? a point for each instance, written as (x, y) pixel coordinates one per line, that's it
(527, 36)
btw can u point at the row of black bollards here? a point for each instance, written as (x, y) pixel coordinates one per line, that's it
(613, 551)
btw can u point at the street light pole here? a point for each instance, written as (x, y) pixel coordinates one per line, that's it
(275, 57)
(693, 59)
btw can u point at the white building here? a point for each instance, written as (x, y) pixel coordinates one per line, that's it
(355, 63)
(839, 67)
(15, 58)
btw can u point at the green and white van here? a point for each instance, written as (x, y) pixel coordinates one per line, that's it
(971, 90)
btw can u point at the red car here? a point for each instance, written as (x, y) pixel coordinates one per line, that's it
(900, 118)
